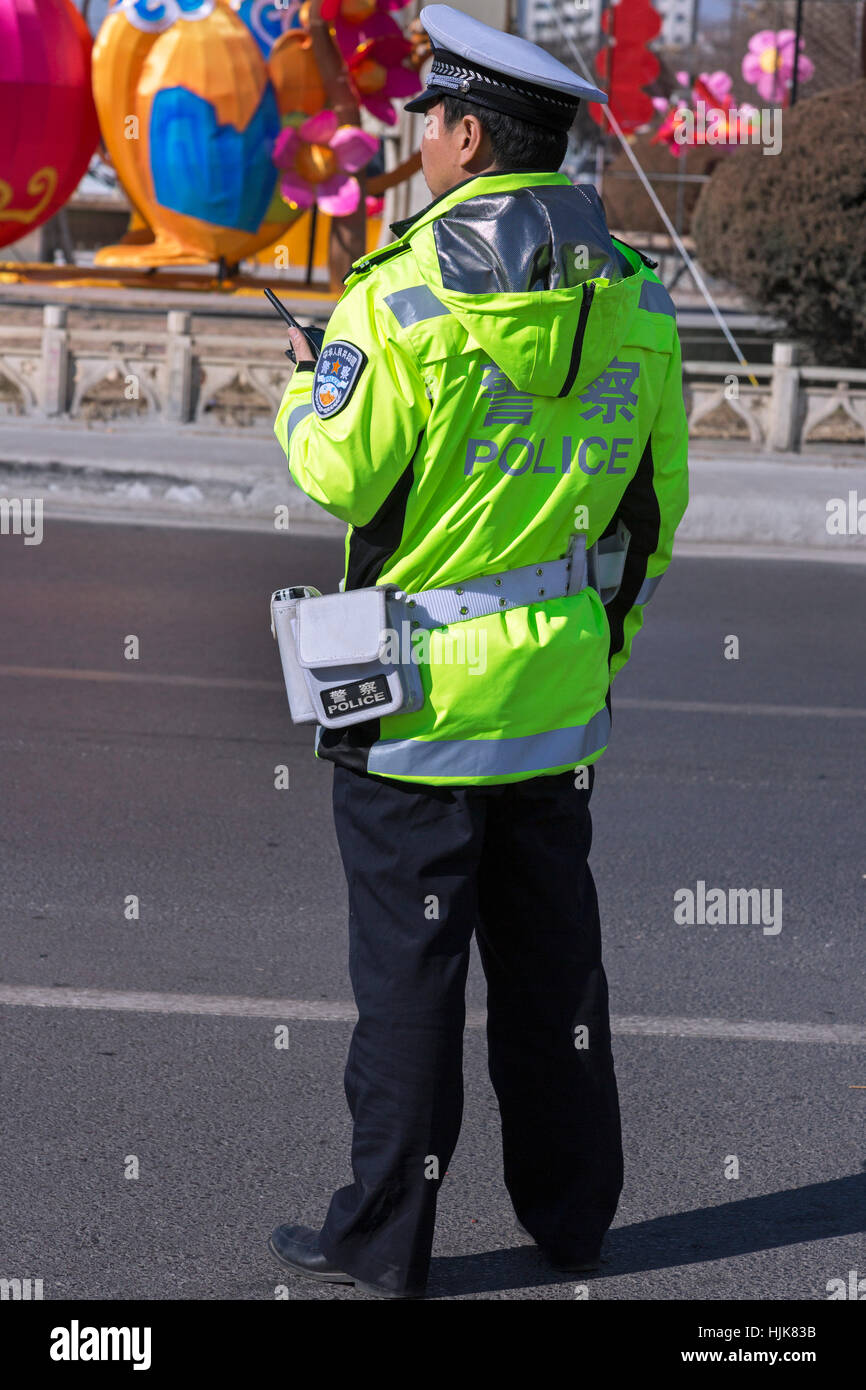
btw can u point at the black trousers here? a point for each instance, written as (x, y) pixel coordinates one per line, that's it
(427, 866)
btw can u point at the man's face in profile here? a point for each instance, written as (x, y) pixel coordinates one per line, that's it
(438, 152)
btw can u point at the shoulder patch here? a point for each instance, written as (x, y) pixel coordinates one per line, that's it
(338, 368)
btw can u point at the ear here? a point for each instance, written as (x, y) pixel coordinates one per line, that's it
(471, 138)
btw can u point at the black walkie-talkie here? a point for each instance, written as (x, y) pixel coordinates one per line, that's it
(312, 336)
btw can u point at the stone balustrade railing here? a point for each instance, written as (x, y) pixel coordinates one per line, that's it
(190, 379)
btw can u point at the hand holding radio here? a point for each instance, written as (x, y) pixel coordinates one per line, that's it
(306, 343)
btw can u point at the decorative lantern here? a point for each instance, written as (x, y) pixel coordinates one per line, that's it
(48, 125)
(626, 65)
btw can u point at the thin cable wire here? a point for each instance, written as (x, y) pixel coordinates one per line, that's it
(672, 231)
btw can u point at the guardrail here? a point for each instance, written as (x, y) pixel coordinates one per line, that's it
(788, 404)
(186, 378)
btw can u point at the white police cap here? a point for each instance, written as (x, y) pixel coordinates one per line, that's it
(476, 63)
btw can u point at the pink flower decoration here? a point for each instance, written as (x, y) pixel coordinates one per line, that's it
(318, 159)
(355, 21)
(357, 11)
(378, 71)
(769, 63)
(719, 82)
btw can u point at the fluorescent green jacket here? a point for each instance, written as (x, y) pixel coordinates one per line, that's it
(499, 376)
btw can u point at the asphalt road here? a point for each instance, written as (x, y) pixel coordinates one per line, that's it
(745, 773)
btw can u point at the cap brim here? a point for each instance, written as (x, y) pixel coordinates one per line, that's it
(427, 99)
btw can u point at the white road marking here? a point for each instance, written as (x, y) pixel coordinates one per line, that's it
(724, 707)
(59, 673)
(740, 1030)
(849, 553)
(239, 683)
(103, 513)
(342, 1011)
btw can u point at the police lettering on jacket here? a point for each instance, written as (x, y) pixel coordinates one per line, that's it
(610, 397)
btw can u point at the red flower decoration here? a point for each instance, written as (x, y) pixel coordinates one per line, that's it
(379, 70)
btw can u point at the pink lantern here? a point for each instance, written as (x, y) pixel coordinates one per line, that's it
(47, 116)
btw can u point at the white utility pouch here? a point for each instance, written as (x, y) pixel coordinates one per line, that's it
(331, 648)
(606, 562)
(284, 608)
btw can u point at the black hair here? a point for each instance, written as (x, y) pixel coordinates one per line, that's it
(515, 144)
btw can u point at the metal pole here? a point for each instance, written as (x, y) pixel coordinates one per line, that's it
(668, 224)
(311, 249)
(601, 147)
(679, 216)
(798, 30)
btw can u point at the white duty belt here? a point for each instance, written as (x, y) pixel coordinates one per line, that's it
(339, 669)
(601, 567)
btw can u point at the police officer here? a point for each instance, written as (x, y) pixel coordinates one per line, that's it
(497, 415)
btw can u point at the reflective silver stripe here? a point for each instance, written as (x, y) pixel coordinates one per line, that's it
(648, 588)
(414, 305)
(494, 593)
(490, 757)
(299, 413)
(656, 298)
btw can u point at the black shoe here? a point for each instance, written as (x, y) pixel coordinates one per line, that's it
(576, 1264)
(297, 1248)
(573, 1264)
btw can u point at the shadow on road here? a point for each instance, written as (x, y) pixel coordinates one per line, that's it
(820, 1211)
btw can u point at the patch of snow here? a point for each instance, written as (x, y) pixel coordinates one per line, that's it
(190, 494)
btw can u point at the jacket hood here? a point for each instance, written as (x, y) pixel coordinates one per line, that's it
(532, 274)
